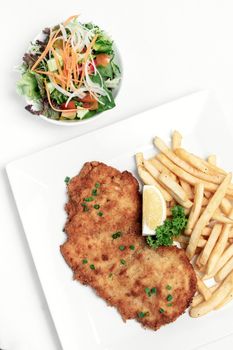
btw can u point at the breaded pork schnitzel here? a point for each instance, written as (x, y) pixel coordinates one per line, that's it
(106, 250)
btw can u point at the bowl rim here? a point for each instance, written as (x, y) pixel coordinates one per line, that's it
(115, 92)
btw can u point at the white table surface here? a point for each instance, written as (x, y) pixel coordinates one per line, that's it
(169, 49)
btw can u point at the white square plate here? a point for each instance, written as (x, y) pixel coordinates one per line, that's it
(83, 320)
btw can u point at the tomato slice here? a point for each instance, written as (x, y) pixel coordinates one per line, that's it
(70, 105)
(102, 59)
(89, 102)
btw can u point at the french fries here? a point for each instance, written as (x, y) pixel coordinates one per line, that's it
(206, 194)
(207, 214)
(184, 165)
(216, 298)
(219, 247)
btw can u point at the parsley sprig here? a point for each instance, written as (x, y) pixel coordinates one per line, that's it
(171, 228)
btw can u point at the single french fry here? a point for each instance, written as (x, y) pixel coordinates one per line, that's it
(151, 169)
(175, 190)
(191, 159)
(210, 244)
(139, 159)
(196, 161)
(216, 298)
(197, 299)
(192, 180)
(196, 209)
(150, 180)
(225, 270)
(185, 240)
(187, 188)
(225, 206)
(176, 139)
(207, 214)
(225, 301)
(212, 159)
(221, 218)
(161, 168)
(219, 247)
(203, 289)
(217, 179)
(173, 186)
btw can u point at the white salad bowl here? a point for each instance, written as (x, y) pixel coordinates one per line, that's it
(118, 61)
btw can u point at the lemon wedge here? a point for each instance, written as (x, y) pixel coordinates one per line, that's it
(153, 211)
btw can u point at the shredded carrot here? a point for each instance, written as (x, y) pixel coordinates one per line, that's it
(44, 53)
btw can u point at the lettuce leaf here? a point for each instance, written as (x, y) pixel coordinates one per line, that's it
(27, 86)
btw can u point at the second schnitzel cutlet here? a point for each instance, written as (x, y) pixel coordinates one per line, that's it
(105, 249)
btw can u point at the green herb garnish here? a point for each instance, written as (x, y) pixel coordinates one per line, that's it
(147, 291)
(171, 228)
(85, 261)
(168, 287)
(170, 304)
(169, 297)
(96, 206)
(67, 179)
(142, 314)
(132, 247)
(153, 290)
(92, 267)
(100, 213)
(123, 262)
(88, 199)
(94, 192)
(97, 185)
(85, 207)
(121, 247)
(161, 310)
(116, 235)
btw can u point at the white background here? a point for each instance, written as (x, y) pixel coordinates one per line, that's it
(169, 48)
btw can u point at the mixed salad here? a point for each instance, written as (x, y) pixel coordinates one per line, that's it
(69, 74)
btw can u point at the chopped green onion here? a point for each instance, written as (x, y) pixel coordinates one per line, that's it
(97, 185)
(94, 192)
(132, 247)
(123, 262)
(122, 247)
(116, 235)
(169, 297)
(147, 291)
(142, 314)
(85, 207)
(168, 287)
(161, 310)
(100, 213)
(85, 261)
(153, 290)
(92, 267)
(88, 199)
(67, 179)
(170, 304)
(96, 206)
